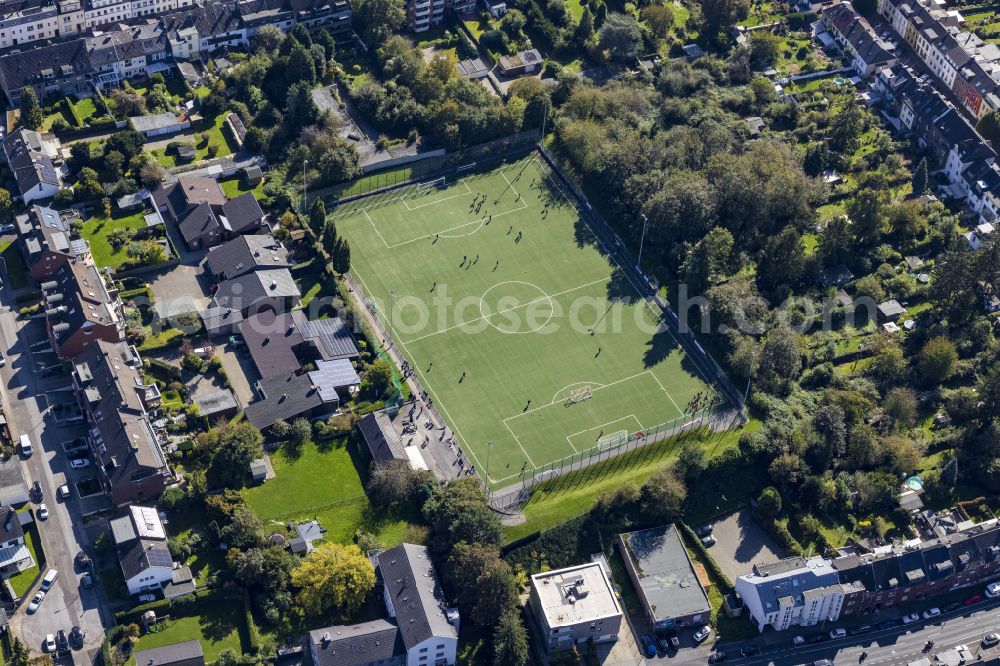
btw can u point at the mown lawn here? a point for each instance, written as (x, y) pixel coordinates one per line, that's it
(217, 625)
(234, 187)
(556, 502)
(96, 231)
(321, 482)
(22, 581)
(217, 136)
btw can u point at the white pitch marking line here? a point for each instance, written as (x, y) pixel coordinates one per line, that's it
(410, 208)
(504, 311)
(600, 388)
(555, 397)
(602, 426)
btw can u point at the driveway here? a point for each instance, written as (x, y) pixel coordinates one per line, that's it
(741, 543)
(178, 289)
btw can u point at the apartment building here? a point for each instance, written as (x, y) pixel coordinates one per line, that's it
(796, 592)
(31, 20)
(422, 14)
(960, 60)
(80, 309)
(855, 36)
(46, 242)
(574, 606)
(107, 379)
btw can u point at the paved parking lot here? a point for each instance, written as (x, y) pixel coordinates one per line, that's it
(178, 289)
(741, 543)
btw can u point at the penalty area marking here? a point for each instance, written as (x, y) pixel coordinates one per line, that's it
(468, 190)
(604, 425)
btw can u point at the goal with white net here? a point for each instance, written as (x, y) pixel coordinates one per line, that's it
(580, 394)
(610, 441)
(465, 167)
(437, 183)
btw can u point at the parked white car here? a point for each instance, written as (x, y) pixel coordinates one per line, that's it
(79, 463)
(43, 511)
(993, 590)
(36, 601)
(50, 643)
(989, 640)
(910, 618)
(931, 612)
(838, 633)
(799, 640)
(702, 634)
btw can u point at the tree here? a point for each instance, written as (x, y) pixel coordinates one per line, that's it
(846, 130)
(782, 353)
(889, 365)
(585, 29)
(769, 502)
(867, 211)
(334, 576)
(691, 461)
(317, 215)
(659, 18)
(989, 126)
(394, 484)
(339, 162)
(267, 40)
(458, 512)
(6, 205)
(111, 165)
(510, 640)
(227, 658)
(662, 496)
(788, 471)
(900, 406)
(513, 23)
(764, 48)
(128, 142)
(620, 36)
(720, 15)
(151, 175)
(244, 529)
(300, 109)
(378, 19)
(31, 110)
(300, 67)
(937, 360)
(481, 582)
(781, 263)
(233, 447)
(145, 253)
(949, 473)
(920, 173)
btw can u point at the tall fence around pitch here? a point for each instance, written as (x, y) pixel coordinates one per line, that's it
(385, 187)
(518, 494)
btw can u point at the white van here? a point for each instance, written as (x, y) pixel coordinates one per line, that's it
(26, 449)
(50, 577)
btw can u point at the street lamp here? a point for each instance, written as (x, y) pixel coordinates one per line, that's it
(642, 240)
(305, 197)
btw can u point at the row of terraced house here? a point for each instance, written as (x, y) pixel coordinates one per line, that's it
(105, 42)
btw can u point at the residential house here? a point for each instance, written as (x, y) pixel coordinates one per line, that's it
(46, 242)
(857, 38)
(420, 630)
(141, 543)
(283, 342)
(574, 606)
(795, 592)
(203, 214)
(890, 310)
(271, 289)
(107, 378)
(13, 487)
(26, 21)
(14, 554)
(57, 69)
(979, 235)
(287, 396)
(32, 158)
(664, 577)
(80, 309)
(188, 653)
(245, 254)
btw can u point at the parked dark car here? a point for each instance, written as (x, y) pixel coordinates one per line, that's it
(860, 629)
(36, 491)
(950, 608)
(61, 641)
(704, 530)
(749, 650)
(974, 599)
(817, 638)
(718, 657)
(888, 624)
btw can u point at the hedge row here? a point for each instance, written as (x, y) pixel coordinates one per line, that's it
(132, 293)
(135, 614)
(174, 341)
(779, 531)
(163, 369)
(70, 110)
(252, 633)
(716, 572)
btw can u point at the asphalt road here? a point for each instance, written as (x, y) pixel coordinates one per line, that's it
(27, 397)
(898, 645)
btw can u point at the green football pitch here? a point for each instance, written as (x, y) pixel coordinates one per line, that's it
(530, 339)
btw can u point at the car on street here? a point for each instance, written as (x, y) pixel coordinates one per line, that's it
(718, 657)
(860, 629)
(931, 612)
(702, 634)
(36, 491)
(840, 632)
(953, 606)
(993, 590)
(49, 579)
(823, 662)
(61, 640)
(989, 640)
(910, 618)
(974, 599)
(76, 637)
(708, 541)
(3, 361)
(26, 448)
(7, 229)
(36, 601)
(749, 650)
(43, 511)
(888, 624)
(79, 463)
(50, 643)
(64, 491)
(87, 581)
(648, 645)
(799, 640)
(816, 638)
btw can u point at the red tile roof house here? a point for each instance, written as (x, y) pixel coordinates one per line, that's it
(202, 213)
(80, 309)
(44, 236)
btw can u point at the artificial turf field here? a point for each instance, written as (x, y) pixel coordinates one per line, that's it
(508, 304)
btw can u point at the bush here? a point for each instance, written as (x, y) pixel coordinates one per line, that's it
(779, 531)
(70, 110)
(164, 370)
(252, 632)
(706, 558)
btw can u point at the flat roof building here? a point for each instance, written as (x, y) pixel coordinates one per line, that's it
(575, 605)
(664, 577)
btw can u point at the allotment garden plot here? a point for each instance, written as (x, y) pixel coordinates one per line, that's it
(530, 339)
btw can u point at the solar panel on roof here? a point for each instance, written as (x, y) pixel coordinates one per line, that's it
(159, 557)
